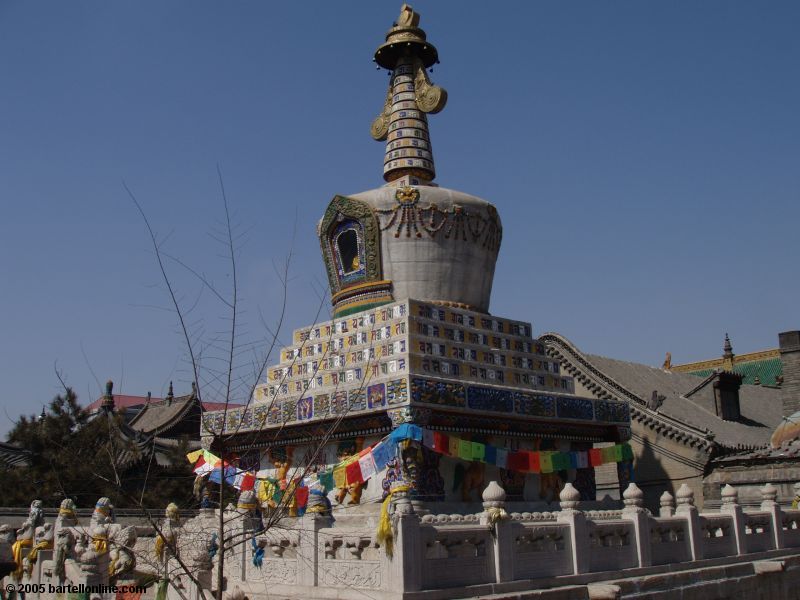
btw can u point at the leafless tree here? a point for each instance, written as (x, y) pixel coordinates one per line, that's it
(228, 368)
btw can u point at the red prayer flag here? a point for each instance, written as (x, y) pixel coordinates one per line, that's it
(301, 495)
(525, 461)
(517, 461)
(595, 457)
(248, 482)
(353, 472)
(533, 464)
(441, 442)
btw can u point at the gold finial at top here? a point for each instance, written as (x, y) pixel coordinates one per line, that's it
(407, 18)
(411, 95)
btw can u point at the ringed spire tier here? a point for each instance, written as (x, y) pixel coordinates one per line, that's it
(403, 123)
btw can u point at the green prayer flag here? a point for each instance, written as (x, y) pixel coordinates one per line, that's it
(465, 449)
(560, 461)
(478, 451)
(627, 452)
(326, 481)
(618, 452)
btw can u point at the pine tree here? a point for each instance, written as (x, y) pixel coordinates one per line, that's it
(83, 457)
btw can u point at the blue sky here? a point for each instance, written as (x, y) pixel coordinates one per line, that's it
(643, 157)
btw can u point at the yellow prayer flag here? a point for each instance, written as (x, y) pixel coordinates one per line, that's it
(339, 476)
(452, 446)
(193, 456)
(546, 462)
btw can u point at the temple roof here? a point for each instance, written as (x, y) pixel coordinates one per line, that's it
(760, 407)
(787, 452)
(156, 417)
(671, 400)
(122, 402)
(757, 367)
(13, 456)
(138, 446)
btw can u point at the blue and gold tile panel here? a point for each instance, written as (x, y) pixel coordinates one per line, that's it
(282, 411)
(570, 407)
(518, 403)
(612, 412)
(442, 393)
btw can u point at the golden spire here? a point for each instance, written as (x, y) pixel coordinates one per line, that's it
(411, 95)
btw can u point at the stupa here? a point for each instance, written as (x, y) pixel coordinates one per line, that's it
(410, 266)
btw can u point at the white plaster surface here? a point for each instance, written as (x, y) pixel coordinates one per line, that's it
(435, 268)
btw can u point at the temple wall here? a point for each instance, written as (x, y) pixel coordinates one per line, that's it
(749, 479)
(660, 463)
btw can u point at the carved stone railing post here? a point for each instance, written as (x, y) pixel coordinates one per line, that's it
(635, 512)
(769, 494)
(688, 511)
(244, 525)
(308, 547)
(37, 575)
(405, 565)
(667, 505)
(730, 506)
(578, 528)
(496, 518)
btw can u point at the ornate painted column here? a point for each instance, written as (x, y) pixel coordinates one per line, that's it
(417, 465)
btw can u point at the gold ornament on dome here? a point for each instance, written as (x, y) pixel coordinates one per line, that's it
(407, 195)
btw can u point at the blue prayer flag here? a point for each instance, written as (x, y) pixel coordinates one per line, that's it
(490, 455)
(382, 454)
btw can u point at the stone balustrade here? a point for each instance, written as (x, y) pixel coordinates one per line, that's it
(316, 556)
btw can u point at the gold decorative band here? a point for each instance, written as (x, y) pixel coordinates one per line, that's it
(361, 287)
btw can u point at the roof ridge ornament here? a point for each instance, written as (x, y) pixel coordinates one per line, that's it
(411, 95)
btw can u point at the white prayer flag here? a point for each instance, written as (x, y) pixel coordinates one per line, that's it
(427, 438)
(367, 464)
(583, 460)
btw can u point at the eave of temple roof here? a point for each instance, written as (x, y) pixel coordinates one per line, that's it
(12, 456)
(788, 452)
(137, 446)
(679, 416)
(602, 385)
(158, 417)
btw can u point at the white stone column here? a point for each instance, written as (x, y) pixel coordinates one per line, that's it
(688, 511)
(308, 547)
(635, 513)
(496, 518)
(404, 568)
(578, 529)
(38, 575)
(667, 508)
(730, 506)
(769, 493)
